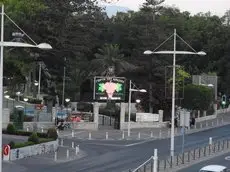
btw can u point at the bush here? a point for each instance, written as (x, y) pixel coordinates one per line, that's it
(25, 133)
(12, 145)
(11, 129)
(52, 133)
(34, 138)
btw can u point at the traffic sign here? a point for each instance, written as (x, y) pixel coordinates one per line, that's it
(6, 152)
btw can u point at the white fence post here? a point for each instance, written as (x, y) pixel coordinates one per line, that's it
(212, 123)
(42, 129)
(210, 140)
(155, 161)
(106, 136)
(77, 149)
(67, 154)
(151, 134)
(27, 129)
(90, 136)
(169, 132)
(123, 135)
(72, 144)
(139, 135)
(206, 123)
(55, 156)
(62, 140)
(160, 134)
(72, 133)
(201, 125)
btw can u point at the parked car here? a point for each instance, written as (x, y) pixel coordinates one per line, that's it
(214, 168)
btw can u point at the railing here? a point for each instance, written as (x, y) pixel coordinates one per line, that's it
(183, 158)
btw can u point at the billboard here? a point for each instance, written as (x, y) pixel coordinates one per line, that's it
(109, 88)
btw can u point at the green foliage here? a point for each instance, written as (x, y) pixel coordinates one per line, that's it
(12, 144)
(33, 138)
(11, 129)
(30, 143)
(52, 133)
(197, 97)
(25, 133)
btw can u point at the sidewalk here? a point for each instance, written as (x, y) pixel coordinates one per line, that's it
(143, 133)
(46, 160)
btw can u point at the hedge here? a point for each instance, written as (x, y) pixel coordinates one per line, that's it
(29, 143)
(25, 133)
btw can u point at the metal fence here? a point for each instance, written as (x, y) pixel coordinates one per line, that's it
(190, 156)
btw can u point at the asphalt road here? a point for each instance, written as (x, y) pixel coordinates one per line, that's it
(7, 138)
(119, 156)
(220, 160)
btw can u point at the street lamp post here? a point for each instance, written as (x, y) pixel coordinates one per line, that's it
(129, 104)
(11, 44)
(25, 100)
(174, 53)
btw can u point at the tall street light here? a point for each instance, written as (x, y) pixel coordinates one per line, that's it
(174, 52)
(129, 104)
(11, 44)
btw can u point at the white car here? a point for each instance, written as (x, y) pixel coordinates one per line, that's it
(214, 168)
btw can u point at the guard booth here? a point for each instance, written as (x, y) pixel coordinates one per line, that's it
(17, 117)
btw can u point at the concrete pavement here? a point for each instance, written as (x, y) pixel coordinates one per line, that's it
(119, 156)
(220, 160)
(143, 133)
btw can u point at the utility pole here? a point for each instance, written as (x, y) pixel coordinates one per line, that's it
(63, 85)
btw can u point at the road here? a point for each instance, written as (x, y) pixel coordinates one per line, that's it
(118, 156)
(220, 160)
(7, 138)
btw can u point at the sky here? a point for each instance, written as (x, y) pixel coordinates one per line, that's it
(217, 7)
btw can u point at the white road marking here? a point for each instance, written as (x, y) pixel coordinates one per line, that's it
(227, 158)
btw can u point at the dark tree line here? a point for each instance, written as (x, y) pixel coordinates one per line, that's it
(81, 32)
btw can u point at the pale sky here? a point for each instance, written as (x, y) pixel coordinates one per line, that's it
(217, 7)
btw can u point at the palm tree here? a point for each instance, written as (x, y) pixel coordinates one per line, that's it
(110, 56)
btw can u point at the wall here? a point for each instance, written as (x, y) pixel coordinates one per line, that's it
(124, 125)
(84, 125)
(38, 149)
(45, 125)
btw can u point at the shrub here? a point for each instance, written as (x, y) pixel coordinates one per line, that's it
(34, 138)
(12, 145)
(11, 129)
(52, 133)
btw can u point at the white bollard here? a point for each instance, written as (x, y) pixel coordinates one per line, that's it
(67, 154)
(62, 142)
(206, 124)
(217, 121)
(195, 126)
(77, 149)
(169, 132)
(212, 123)
(55, 156)
(27, 129)
(57, 131)
(210, 140)
(139, 135)
(72, 144)
(42, 129)
(155, 161)
(106, 136)
(201, 125)
(72, 133)
(90, 136)
(160, 134)
(151, 134)
(123, 135)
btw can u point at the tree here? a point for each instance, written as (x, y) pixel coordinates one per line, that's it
(197, 97)
(110, 56)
